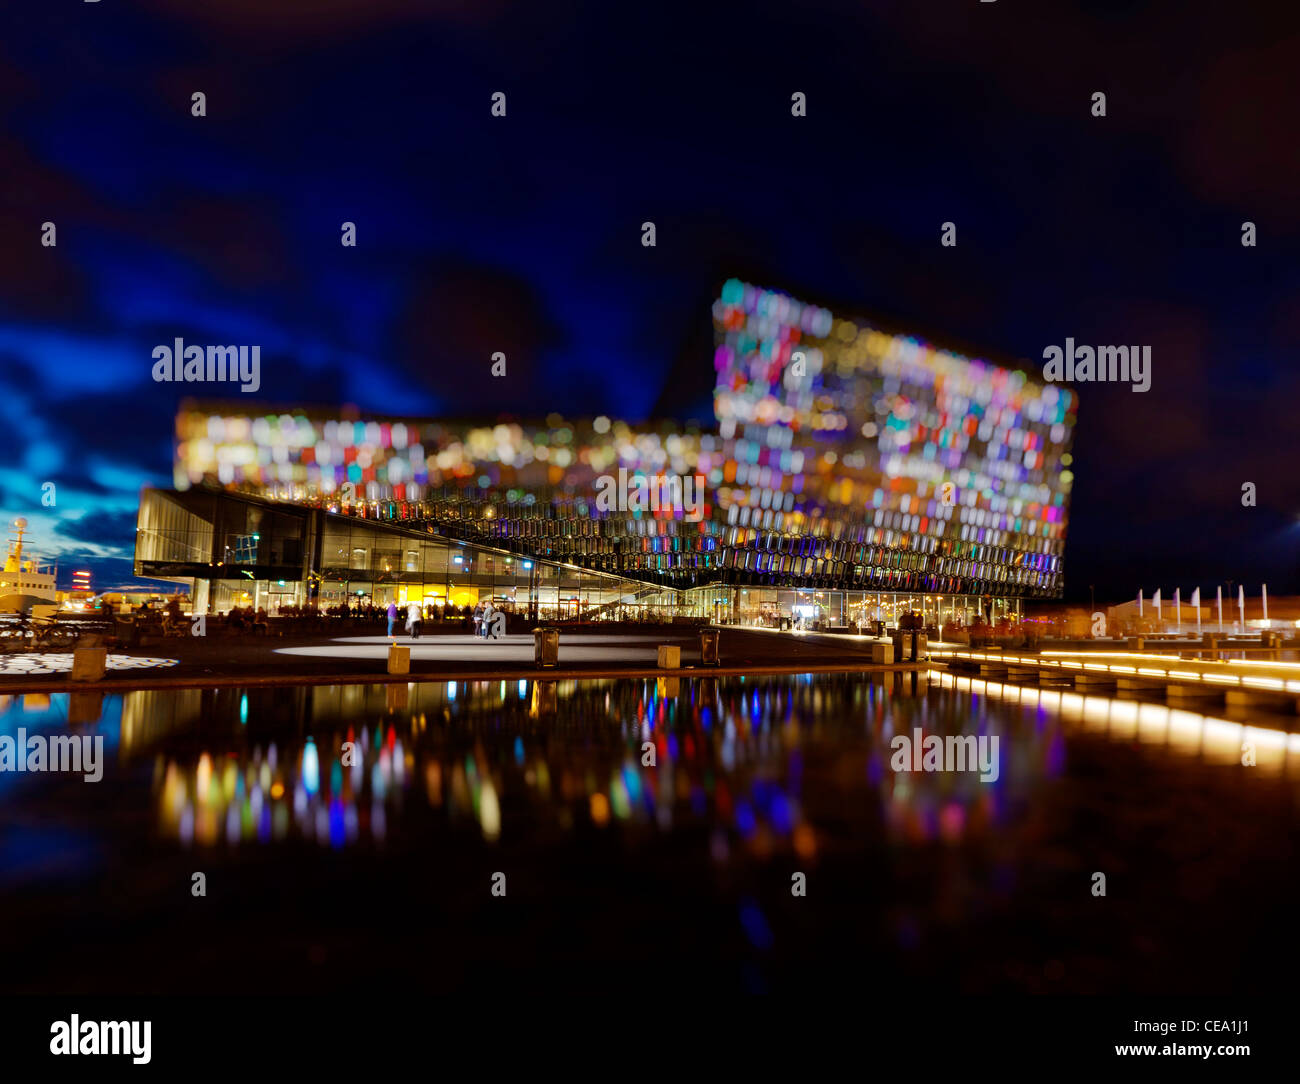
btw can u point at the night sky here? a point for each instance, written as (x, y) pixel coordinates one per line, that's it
(523, 234)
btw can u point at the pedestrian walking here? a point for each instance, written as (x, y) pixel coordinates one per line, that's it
(392, 618)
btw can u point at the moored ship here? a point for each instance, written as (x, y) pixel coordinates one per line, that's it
(25, 581)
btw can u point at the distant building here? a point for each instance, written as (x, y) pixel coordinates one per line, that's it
(851, 474)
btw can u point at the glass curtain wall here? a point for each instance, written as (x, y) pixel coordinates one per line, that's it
(364, 565)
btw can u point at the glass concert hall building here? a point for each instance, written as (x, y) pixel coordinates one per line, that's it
(850, 474)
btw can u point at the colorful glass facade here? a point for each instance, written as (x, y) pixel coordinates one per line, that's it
(842, 457)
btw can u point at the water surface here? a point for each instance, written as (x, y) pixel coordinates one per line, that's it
(649, 832)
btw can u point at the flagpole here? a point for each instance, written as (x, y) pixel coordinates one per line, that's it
(1196, 601)
(1264, 594)
(1178, 603)
(1219, 592)
(1241, 605)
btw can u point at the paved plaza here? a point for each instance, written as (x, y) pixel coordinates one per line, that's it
(267, 660)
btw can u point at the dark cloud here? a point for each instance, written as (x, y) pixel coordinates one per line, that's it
(302, 23)
(1248, 158)
(101, 528)
(240, 242)
(455, 317)
(18, 377)
(37, 281)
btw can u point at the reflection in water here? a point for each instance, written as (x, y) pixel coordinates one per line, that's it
(91, 714)
(1218, 741)
(745, 758)
(765, 765)
(680, 806)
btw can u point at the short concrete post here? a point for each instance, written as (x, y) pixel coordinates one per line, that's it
(900, 645)
(546, 647)
(399, 659)
(89, 663)
(670, 657)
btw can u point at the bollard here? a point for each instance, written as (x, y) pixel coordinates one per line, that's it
(709, 647)
(907, 644)
(1135, 643)
(546, 647)
(126, 630)
(882, 652)
(89, 663)
(399, 659)
(670, 657)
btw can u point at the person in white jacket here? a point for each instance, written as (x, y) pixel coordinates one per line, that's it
(413, 620)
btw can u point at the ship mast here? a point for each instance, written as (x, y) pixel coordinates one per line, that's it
(15, 562)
